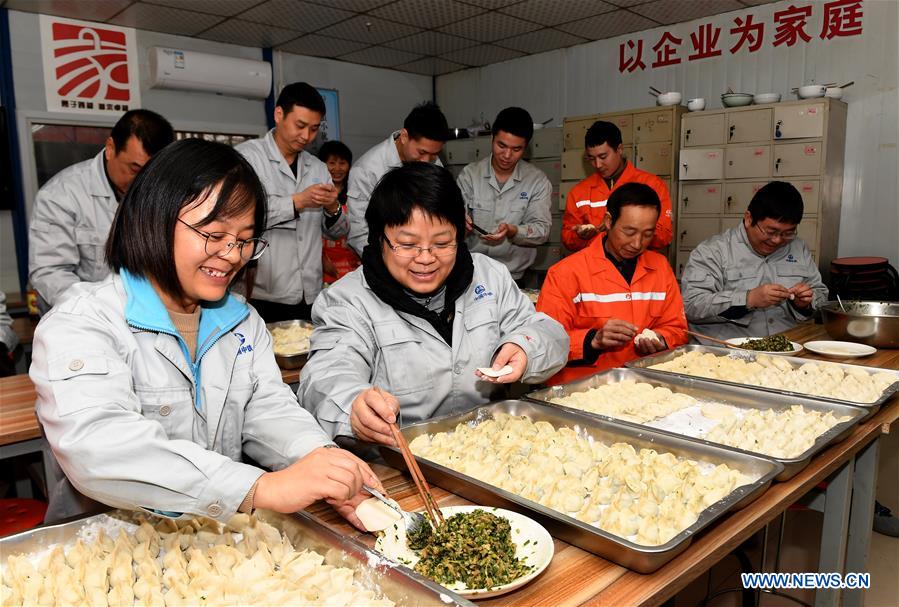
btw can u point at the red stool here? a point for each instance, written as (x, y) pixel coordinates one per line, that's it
(18, 514)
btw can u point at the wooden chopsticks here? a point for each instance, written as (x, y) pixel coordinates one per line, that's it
(424, 490)
(716, 340)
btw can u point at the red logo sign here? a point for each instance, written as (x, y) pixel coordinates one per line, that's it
(90, 62)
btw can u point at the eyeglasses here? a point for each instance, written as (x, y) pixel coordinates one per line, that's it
(786, 236)
(219, 244)
(411, 251)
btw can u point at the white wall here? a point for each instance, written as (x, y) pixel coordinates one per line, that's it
(584, 79)
(373, 101)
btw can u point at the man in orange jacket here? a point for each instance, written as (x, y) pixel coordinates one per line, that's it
(609, 293)
(586, 203)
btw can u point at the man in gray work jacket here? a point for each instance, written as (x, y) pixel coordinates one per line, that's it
(302, 206)
(508, 197)
(757, 278)
(73, 211)
(420, 140)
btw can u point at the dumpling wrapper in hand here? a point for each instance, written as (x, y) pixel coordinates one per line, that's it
(646, 334)
(376, 515)
(489, 372)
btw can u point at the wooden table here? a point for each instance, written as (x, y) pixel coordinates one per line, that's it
(17, 419)
(576, 577)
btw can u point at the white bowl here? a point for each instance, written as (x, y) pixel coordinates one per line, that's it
(760, 98)
(736, 99)
(834, 92)
(810, 91)
(696, 105)
(670, 98)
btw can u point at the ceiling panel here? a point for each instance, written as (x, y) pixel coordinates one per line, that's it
(247, 33)
(369, 29)
(359, 6)
(482, 55)
(98, 10)
(677, 11)
(489, 27)
(164, 19)
(757, 2)
(426, 13)
(213, 7)
(431, 66)
(380, 56)
(541, 40)
(321, 46)
(294, 14)
(560, 11)
(431, 43)
(608, 25)
(490, 4)
(627, 3)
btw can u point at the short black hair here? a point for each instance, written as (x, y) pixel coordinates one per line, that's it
(335, 148)
(515, 121)
(427, 121)
(601, 132)
(152, 130)
(632, 194)
(141, 240)
(303, 95)
(777, 200)
(414, 185)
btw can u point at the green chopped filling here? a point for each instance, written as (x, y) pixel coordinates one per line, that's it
(772, 343)
(474, 548)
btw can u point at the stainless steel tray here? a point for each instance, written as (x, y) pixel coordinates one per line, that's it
(398, 583)
(294, 360)
(643, 559)
(743, 398)
(644, 363)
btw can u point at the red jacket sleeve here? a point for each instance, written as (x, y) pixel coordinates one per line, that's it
(672, 324)
(556, 300)
(664, 229)
(570, 219)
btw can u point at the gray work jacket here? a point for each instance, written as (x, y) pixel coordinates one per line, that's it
(70, 224)
(365, 175)
(359, 342)
(291, 270)
(724, 268)
(136, 424)
(524, 200)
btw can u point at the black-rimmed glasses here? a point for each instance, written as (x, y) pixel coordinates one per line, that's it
(219, 244)
(411, 251)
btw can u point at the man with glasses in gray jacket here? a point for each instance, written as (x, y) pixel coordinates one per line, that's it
(757, 278)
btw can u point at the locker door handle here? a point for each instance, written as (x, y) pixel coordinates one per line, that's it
(686, 198)
(731, 132)
(730, 199)
(777, 133)
(777, 165)
(682, 234)
(687, 137)
(685, 167)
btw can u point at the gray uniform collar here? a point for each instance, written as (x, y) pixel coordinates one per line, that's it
(100, 186)
(490, 175)
(275, 155)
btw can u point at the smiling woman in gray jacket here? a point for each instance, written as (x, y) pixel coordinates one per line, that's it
(153, 382)
(402, 337)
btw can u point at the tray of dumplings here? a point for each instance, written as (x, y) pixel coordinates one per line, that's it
(129, 558)
(630, 495)
(842, 383)
(788, 429)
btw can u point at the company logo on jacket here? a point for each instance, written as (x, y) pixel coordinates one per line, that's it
(244, 347)
(523, 195)
(792, 259)
(480, 292)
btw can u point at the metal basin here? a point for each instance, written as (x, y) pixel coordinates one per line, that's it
(875, 323)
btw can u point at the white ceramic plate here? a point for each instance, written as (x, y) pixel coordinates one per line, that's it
(840, 349)
(532, 543)
(738, 341)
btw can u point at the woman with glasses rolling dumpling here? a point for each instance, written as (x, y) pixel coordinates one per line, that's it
(154, 382)
(403, 337)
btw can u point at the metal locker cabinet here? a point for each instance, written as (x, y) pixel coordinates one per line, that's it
(811, 194)
(700, 198)
(741, 162)
(737, 195)
(574, 165)
(693, 230)
(793, 159)
(749, 126)
(702, 130)
(701, 163)
(654, 158)
(797, 121)
(653, 126)
(573, 132)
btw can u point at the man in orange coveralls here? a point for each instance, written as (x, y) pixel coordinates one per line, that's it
(586, 203)
(609, 293)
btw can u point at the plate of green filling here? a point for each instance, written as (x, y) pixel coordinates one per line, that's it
(772, 344)
(480, 552)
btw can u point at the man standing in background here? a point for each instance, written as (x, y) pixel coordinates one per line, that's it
(420, 140)
(508, 197)
(74, 210)
(302, 206)
(586, 204)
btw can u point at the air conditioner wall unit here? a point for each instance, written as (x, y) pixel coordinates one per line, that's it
(195, 71)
